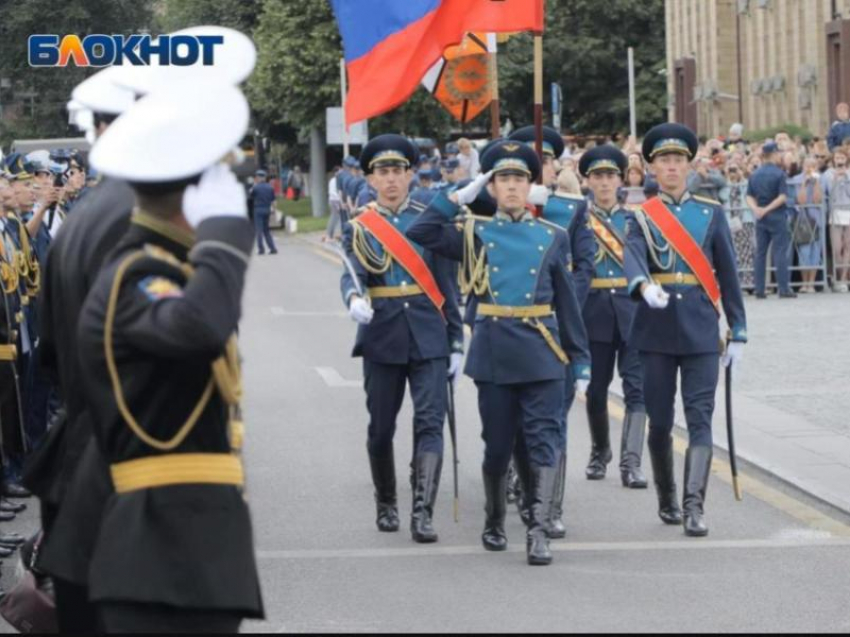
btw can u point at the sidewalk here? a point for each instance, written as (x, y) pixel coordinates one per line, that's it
(791, 395)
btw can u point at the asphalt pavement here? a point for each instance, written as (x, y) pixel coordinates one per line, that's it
(779, 561)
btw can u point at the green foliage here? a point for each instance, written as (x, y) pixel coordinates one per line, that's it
(44, 92)
(237, 14)
(585, 50)
(793, 131)
(297, 74)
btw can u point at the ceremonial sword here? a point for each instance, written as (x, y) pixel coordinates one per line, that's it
(338, 251)
(453, 434)
(733, 461)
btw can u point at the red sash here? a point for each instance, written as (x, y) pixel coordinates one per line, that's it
(683, 243)
(611, 243)
(399, 248)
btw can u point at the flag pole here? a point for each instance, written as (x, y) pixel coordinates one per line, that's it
(344, 89)
(495, 114)
(632, 101)
(538, 97)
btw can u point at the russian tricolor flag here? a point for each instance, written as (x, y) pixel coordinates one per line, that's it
(390, 44)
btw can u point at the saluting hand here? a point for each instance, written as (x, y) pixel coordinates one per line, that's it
(218, 194)
(470, 192)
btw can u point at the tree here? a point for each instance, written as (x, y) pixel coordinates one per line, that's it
(237, 14)
(585, 51)
(39, 95)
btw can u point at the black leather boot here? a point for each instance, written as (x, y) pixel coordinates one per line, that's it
(383, 477)
(631, 450)
(665, 483)
(697, 470)
(513, 490)
(494, 538)
(600, 452)
(426, 469)
(523, 472)
(537, 548)
(557, 529)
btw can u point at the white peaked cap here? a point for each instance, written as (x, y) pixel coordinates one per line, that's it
(233, 62)
(173, 134)
(102, 93)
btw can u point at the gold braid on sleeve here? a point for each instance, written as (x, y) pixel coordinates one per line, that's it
(473, 276)
(373, 262)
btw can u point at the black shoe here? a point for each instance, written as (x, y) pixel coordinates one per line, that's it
(631, 450)
(523, 471)
(383, 477)
(273, 252)
(600, 453)
(537, 549)
(12, 490)
(665, 484)
(697, 471)
(761, 295)
(427, 468)
(557, 529)
(788, 295)
(6, 516)
(494, 538)
(6, 551)
(14, 507)
(512, 492)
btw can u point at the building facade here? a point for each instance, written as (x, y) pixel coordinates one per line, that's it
(787, 60)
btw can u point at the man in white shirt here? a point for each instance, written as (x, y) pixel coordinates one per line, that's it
(470, 166)
(335, 204)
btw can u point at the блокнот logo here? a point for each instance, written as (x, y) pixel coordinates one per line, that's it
(108, 50)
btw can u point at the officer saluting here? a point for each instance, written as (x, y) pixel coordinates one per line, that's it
(161, 375)
(608, 315)
(527, 328)
(570, 213)
(410, 331)
(681, 261)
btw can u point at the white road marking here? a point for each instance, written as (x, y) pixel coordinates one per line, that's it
(333, 378)
(559, 547)
(280, 312)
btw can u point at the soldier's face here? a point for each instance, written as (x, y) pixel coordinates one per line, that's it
(391, 183)
(24, 195)
(604, 185)
(671, 171)
(510, 190)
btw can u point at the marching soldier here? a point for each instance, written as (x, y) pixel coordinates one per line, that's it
(570, 213)
(608, 315)
(680, 260)
(527, 329)
(161, 374)
(409, 331)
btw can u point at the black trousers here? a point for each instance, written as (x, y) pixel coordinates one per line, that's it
(385, 385)
(75, 614)
(603, 358)
(128, 617)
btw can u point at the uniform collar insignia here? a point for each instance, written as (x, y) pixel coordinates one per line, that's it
(669, 199)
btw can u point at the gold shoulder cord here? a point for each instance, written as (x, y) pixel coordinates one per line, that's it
(226, 375)
(27, 264)
(8, 272)
(369, 259)
(656, 251)
(473, 276)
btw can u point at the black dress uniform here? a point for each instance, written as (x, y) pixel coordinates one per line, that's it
(570, 213)
(527, 327)
(608, 315)
(408, 342)
(684, 337)
(177, 532)
(74, 485)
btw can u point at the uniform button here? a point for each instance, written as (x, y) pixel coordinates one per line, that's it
(528, 296)
(500, 224)
(613, 291)
(550, 232)
(526, 320)
(495, 268)
(679, 296)
(496, 293)
(406, 305)
(610, 273)
(491, 245)
(495, 319)
(395, 220)
(404, 282)
(541, 248)
(533, 271)
(705, 211)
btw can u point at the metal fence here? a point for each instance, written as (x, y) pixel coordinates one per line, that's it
(807, 248)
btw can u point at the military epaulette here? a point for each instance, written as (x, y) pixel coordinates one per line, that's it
(369, 206)
(475, 217)
(418, 206)
(544, 222)
(161, 254)
(707, 200)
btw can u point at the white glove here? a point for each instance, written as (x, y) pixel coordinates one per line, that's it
(733, 355)
(582, 385)
(218, 194)
(539, 195)
(470, 192)
(360, 310)
(655, 296)
(455, 364)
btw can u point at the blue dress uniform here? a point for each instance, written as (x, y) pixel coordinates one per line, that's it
(608, 315)
(408, 341)
(527, 327)
(684, 336)
(570, 213)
